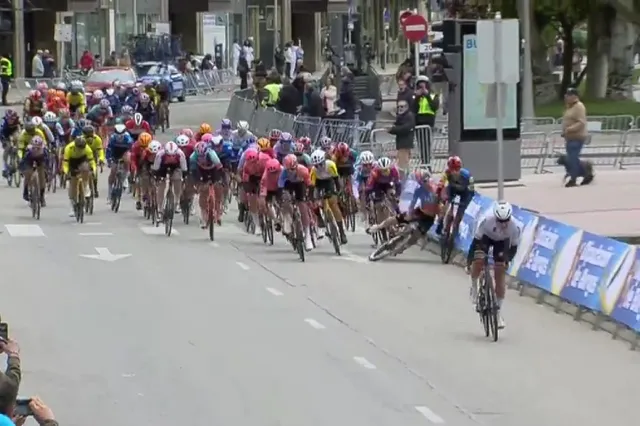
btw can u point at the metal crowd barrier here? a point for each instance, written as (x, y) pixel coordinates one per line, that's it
(208, 82)
(24, 85)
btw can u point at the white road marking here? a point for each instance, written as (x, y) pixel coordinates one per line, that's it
(315, 324)
(95, 234)
(429, 415)
(91, 223)
(157, 230)
(364, 362)
(25, 230)
(242, 265)
(214, 245)
(274, 291)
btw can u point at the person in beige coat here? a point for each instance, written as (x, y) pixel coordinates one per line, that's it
(574, 131)
(329, 94)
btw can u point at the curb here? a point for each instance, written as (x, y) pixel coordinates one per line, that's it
(598, 321)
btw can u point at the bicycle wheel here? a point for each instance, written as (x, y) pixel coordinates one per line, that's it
(389, 247)
(185, 207)
(268, 223)
(34, 197)
(116, 193)
(263, 228)
(298, 237)
(90, 204)
(53, 182)
(211, 213)
(334, 235)
(490, 306)
(80, 202)
(17, 177)
(169, 209)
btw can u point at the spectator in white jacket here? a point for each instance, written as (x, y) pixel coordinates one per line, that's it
(37, 66)
(289, 61)
(329, 94)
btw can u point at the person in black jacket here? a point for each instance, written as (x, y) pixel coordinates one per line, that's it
(311, 101)
(403, 130)
(243, 71)
(347, 98)
(289, 100)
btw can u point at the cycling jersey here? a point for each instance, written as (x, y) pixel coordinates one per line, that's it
(328, 171)
(491, 228)
(74, 157)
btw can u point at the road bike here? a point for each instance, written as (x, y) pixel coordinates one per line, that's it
(487, 305)
(35, 200)
(163, 115)
(79, 205)
(348, 205)
(118, 186)
(169, 210)
(13, 175)
(450, 230)
(52, 172)
(329, 220)
(408, 236)
(297, 238)
(211, 209)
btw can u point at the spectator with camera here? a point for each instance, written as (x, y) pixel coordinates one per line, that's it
(13, 410)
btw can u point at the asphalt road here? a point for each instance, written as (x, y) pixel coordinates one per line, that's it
(178, 330)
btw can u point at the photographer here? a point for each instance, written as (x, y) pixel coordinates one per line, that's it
(9, 384)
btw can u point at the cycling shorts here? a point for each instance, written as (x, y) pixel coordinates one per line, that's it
(425, 222)
(252, 185)
(297, 189)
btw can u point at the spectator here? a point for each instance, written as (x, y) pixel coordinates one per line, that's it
(273, 88)
(49, 63)
(111, 60)
(329, 94)
(6, 73)
(289, 61)
(574, 131)
(86, 61)
(248, 50)
(207, 63)
(12, 374)
(37, 66)
(290, 98)
(425, 103)
(243, 70)
(403, 129)
(311, 101)
(404, 94)
(347, 98)
(125, 58)
(278, 60)
(236, 55)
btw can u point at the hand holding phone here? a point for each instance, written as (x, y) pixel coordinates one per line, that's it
(4, 331)
(22, 407)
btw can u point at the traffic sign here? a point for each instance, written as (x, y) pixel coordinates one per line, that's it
(415, 28)
(404, 14)
(63, 33)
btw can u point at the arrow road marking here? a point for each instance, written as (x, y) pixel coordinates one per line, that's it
(105, 254)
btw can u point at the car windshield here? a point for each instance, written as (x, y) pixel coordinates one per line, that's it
(155, 69)
(109, 76)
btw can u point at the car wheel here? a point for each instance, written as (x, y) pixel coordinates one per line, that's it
(182, 98)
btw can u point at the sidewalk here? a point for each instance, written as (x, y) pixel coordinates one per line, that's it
(609, 206)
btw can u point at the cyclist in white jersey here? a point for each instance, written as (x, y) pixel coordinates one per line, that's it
(241, 135)
(500, 231)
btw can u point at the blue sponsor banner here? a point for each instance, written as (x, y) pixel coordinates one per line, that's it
(539, 266)
(596, 262)
(476, 209)
(627, 308)
(527, 223)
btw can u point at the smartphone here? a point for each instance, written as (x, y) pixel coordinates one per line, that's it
(22, 407)
(4, 331)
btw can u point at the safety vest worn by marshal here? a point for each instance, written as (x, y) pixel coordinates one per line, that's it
(6, 68)
(274, 93)
(424, 107)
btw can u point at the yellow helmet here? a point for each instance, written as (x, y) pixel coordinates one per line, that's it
(264, 144)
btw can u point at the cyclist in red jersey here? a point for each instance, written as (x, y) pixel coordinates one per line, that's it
(137, 125)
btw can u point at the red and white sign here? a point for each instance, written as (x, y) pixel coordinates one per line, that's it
(404, 14)
(415, 27)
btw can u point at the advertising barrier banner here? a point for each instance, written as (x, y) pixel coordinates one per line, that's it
(595, 272)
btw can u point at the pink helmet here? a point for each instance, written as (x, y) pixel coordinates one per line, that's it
(187, 132)
(207, 138)
(201, 148)
(251, 155)
(290, 162)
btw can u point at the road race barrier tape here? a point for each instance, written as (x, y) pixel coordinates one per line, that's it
(596, 274)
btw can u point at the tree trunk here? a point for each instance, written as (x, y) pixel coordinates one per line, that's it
(599, 49)
(567, 56)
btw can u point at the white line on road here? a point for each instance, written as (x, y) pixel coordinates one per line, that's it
(214, 245)
(95, 234)
(364, 362)
(274, 291)
(24, 230)
(315, 324)
(92, 223)
(242, 265)
(429, 415)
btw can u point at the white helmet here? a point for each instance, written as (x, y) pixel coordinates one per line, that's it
(217, 140)
(325, 142)
(61, 86)
(243, 126)
(367, 157)
(318, 157)
(422, 79)
(182, 140)
(171, 148)
(502, 211)
(155, 147)
(76, 84)
(120, 128)
(98, 94)
(384, 163)
(50, 117)
(36, 121)
(137, 118)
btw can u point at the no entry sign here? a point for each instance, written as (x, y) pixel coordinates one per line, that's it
(415, 27)
(404, 14)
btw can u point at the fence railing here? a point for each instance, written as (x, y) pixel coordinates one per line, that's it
(614, 141)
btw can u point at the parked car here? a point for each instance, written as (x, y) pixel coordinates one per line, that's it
(105, 77)
(157, 71)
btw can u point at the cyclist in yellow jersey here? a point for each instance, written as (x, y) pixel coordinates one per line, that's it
(25, 137)
(95, 143)
(324, 177)
(78, 159)
(153, 94)
(77, 102)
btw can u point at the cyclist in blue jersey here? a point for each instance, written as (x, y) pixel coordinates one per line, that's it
(459, 184)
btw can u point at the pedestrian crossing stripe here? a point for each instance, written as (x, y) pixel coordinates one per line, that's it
(22, 230)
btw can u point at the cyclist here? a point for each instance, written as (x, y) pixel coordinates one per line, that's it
(206, 167)
(170, 162)
(35, 159)
(363, 168)
(51, 121)
(497, 230)
(251, 168)
(187, 146)
(140, 166)
(9, 129)
(225, 130)
(241, 135)
(302, 157)
(126, 113)
(99, 114)
(274, 137)
(39, 123)
(294, 178)
(384, 179)
(67, 125)
(95, 143)
(269, 190)
(137, 125)
(265, 146)
(78, 159)
(226, 155)
(326, 180)
(424, 213)
(26, 136)
(306, 144)
(284, 146)
(118, 148)
(34, 105)
(459, 184)
(76, 100)
(147, 108)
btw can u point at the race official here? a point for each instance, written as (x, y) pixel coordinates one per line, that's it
(6, 72)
